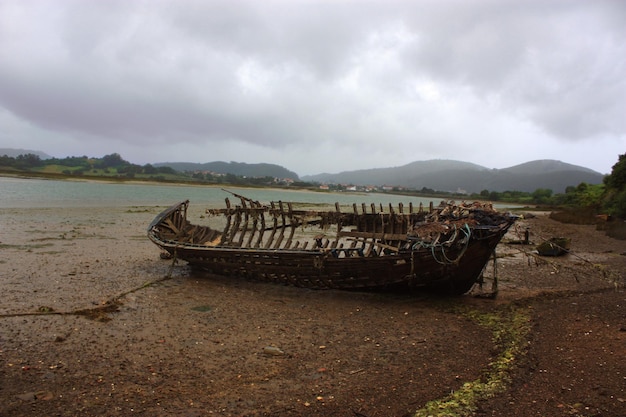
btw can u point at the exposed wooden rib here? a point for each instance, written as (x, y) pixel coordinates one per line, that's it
(293, 222)
(339, 225)
(172, 226)
(281, 234)
(261, 230)
(191, 234)
(255, 222)
(392, 217)
(271, 238)
(224, 237)
(235, 228)
(244, 229)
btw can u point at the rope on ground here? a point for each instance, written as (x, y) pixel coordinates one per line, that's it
(100, 312)
(609, 275)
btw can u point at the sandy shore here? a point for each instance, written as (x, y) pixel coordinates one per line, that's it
(94, 323)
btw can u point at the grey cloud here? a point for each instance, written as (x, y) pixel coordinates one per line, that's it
(304, 75)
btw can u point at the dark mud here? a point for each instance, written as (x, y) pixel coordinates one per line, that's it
(93, 322)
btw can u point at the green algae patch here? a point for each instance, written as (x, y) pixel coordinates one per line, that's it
(510, 329)
(203, 308)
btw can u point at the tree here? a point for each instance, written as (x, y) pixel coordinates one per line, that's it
(166, 170)
(198, 176)
(615, 194)
(149, 169)
(111, 161)
(28, 161)
(130, 170)
(617, 179)
(72, 161)
(542, 195)
(7, 161)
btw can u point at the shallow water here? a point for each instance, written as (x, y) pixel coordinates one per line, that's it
(34, 193)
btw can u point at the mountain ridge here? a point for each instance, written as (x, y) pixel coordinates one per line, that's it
(437, 174)
(14, 153)
(451, 175)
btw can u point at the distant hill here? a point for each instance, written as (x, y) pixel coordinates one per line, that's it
(436, 174)
(235, 168)
(14, 153)
(448, 175)
(546, 166)
(400, 176)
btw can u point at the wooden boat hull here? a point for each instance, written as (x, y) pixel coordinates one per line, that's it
(452, 269)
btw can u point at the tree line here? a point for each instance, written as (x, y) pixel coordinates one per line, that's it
(83, 165)
(114, 166)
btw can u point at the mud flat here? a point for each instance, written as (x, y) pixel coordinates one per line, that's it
(93, 322)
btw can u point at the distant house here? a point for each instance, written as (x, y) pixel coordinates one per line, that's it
(324, 187)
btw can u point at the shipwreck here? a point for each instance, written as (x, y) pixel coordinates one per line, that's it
(443, 248)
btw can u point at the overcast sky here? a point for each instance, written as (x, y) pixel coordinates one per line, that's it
(316, 85)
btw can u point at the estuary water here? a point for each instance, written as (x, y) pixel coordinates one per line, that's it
(41, 193)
